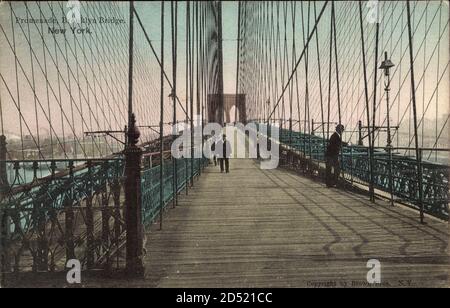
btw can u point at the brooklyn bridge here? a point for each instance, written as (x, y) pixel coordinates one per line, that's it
(110, 113)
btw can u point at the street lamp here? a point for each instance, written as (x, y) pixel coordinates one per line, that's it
(386, 67)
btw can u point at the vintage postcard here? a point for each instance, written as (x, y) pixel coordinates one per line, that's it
(215, 145)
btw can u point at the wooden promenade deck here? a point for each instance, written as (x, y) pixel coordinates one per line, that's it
(274, 228)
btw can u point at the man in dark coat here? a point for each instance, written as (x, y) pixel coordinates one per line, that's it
(332, 156)
(223, 151)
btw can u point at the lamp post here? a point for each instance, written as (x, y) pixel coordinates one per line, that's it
(386, 66)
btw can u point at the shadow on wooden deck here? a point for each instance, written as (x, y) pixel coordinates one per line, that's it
(274, 228)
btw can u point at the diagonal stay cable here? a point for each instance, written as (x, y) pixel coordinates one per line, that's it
(157, 58)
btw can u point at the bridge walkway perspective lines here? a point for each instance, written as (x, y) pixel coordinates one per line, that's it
(274, 228)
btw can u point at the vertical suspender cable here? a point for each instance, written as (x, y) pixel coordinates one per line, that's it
(191, 92)
(374, 106)
(413, 94)
(336, 62)
(130, 66)
(186, 91)
(320, 81)
(17, 86)
(329, 79)
(437, 80)
(197, 78)
(293, 7)
(174, 94)
(202, 78)
(161, 125)
(363, 48)
(333, 17)
(375, 81)
(220, 57)
(238, 59)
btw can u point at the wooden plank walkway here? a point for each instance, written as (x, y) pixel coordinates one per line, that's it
(273, 228)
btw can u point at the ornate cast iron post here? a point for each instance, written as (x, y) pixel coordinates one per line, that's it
(360, 138)
(133, 216)
(133, 155)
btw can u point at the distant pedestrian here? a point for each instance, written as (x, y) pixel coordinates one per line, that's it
(223, 152)
(213, 151)
(333, 168)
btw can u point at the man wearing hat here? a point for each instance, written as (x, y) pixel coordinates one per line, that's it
(223, 152)
(333, 168)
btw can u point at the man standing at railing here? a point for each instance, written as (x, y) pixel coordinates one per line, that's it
(332, 157)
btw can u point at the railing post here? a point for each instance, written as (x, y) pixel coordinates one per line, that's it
(360, 139)
(105, 220)
(116, 187)
(42, 241)
(90, 221)
(351, 165)
(4, 218)
(4, 254)
(69, 219)
(40, 218)
(391, 183)
(4, 185)
(174, 182)
(134, 246)
(133, 155)
(52, 178)
(420, 184)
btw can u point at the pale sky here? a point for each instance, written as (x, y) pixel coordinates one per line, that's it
(108, 46)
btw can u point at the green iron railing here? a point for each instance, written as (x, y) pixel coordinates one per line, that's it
(54, 211)
(394, 174)
(150, 187)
